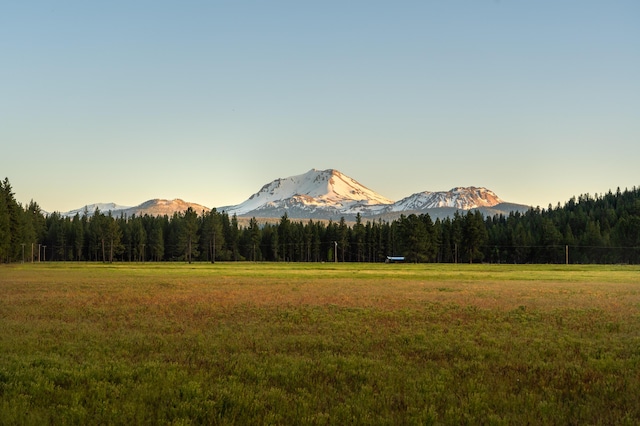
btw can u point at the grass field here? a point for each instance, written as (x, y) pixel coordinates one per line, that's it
(319, 344)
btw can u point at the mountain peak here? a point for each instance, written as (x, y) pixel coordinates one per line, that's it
(462, 198)
(328, 190)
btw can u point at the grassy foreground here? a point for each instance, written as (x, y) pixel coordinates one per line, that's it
(319, 344)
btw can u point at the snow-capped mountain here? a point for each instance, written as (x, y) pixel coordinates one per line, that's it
(458, 198)
(156, 207)
(327, 194)
(330, 194)
(312, 194)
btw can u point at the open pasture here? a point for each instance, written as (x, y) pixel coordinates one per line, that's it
(243, 343)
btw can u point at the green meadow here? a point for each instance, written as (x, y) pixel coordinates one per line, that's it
(276, 343)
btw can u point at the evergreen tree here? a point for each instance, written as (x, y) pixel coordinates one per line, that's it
(138, 238)
(56, 238)
(413, 235)
(457, 225)
(255, 237)
(521, 243)
(627, 234)
(5, 229)
(189, 234)
(271, 241)
(13, 247)
(28, 233)
(316, 241)
(234, 238)
(343, 238)
(550, 239)
(174, 250)
(474, 234)
(431, 240)
(156, 240)
(93, 234)
(359, 237)
(284, 237)
(113, 235)
(77, 237)
(211, 237)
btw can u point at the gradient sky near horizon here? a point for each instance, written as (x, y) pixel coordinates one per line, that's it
(125, 101)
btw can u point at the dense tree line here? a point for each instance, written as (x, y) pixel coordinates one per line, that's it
(599, 229)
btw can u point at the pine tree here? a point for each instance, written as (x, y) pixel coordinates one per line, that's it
(211, 236)
(189, 234)
(156, 241)
(284, 237)
(234, 238)
(474, 234)
(138, 238)
(113, 236)
(414, 235)
(255, 237)
(5, 228)
(358, 237)
(343, 237)
(77, 236)
(13, 248)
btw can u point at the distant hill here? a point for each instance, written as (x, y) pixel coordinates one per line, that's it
(156, 207)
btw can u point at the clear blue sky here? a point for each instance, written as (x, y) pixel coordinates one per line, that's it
(124, 101)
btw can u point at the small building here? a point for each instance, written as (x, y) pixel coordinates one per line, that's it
(394, 259)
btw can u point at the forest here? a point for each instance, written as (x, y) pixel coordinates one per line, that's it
(603, 228)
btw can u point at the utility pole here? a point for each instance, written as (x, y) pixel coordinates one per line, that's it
(39, 251)
(566, 254)
(44, 253)
(335, 252)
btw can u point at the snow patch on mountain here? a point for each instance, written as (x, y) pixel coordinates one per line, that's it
(90, 209)
(463, 198)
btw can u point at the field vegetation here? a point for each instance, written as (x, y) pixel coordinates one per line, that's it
(277, 343)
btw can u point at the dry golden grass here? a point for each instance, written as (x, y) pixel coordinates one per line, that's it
(317, 343)
(224, 286)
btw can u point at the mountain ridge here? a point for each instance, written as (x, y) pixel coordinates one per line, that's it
(301, 198)
(329, 194)
(153, 207)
